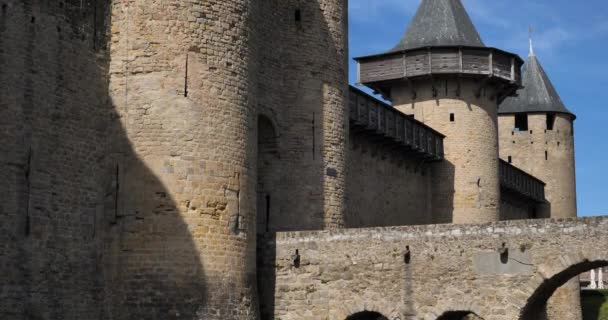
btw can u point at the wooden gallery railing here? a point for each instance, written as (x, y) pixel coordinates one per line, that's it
(517, 180)
(372, 116)
(438, 60)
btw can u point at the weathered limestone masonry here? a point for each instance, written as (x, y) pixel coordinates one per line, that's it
(466, 186)
(54, 115)
(546, 154)
(302, 86)
(501, 271)
(182, 80)
(387, 188)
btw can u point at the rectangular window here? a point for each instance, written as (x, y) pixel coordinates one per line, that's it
(298, 15)
(546, 155)
(521, 122)
(452, 118)
(550, 121)
(510, 159)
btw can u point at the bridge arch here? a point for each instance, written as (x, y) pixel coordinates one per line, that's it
(554, 276)
(367, 315)
(459, 315)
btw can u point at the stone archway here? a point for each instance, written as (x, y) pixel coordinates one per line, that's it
(267, 171)
(459, 315)
(267, 162)
(367, 315)
(536, 305)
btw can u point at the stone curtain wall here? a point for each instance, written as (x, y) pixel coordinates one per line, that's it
(449, 268)
(386, 186)
(514, 206)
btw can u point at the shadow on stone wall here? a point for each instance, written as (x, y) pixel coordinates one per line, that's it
(442, 207)
(88, 230)
(295, 93)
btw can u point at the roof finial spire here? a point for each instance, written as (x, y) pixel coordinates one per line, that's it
(531, 42)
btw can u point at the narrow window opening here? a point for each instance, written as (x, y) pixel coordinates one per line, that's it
(521, 122)
(531, 132)
(314, 142)
(452, 117)
(550, 121)
(510, 159)
(298, 15)
(4, 7)
(33, 20)
(116, 191)
(558, 143)
(267, 213)
(27, 173)
(546, 155)
(186, 77)
(95, 25)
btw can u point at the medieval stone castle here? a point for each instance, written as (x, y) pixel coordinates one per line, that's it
(207, 159)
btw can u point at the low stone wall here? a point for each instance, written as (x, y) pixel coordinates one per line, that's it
(493, 270)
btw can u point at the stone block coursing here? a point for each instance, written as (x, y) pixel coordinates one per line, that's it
(352, 270)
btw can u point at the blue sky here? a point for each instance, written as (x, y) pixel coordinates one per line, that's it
(571, 41)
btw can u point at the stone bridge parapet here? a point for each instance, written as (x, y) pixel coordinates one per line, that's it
(500, 271)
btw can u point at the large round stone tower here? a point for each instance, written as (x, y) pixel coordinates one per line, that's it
(442, 74)
(182, 80)
(537, 135)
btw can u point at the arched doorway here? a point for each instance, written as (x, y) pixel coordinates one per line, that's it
(536, 305)
(267, 161)
(459, 315)
(267, 173)
(367, 315)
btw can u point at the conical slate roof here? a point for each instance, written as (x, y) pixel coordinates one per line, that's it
(538, 94)
(440, 23)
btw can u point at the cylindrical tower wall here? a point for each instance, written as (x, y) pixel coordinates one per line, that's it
(302, 86)
(467, 186)
(545, 150)
(335, 113)
(182, 245)
(53, 120)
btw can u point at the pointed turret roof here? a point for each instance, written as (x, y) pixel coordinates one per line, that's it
(538, 94)
(440, 23)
